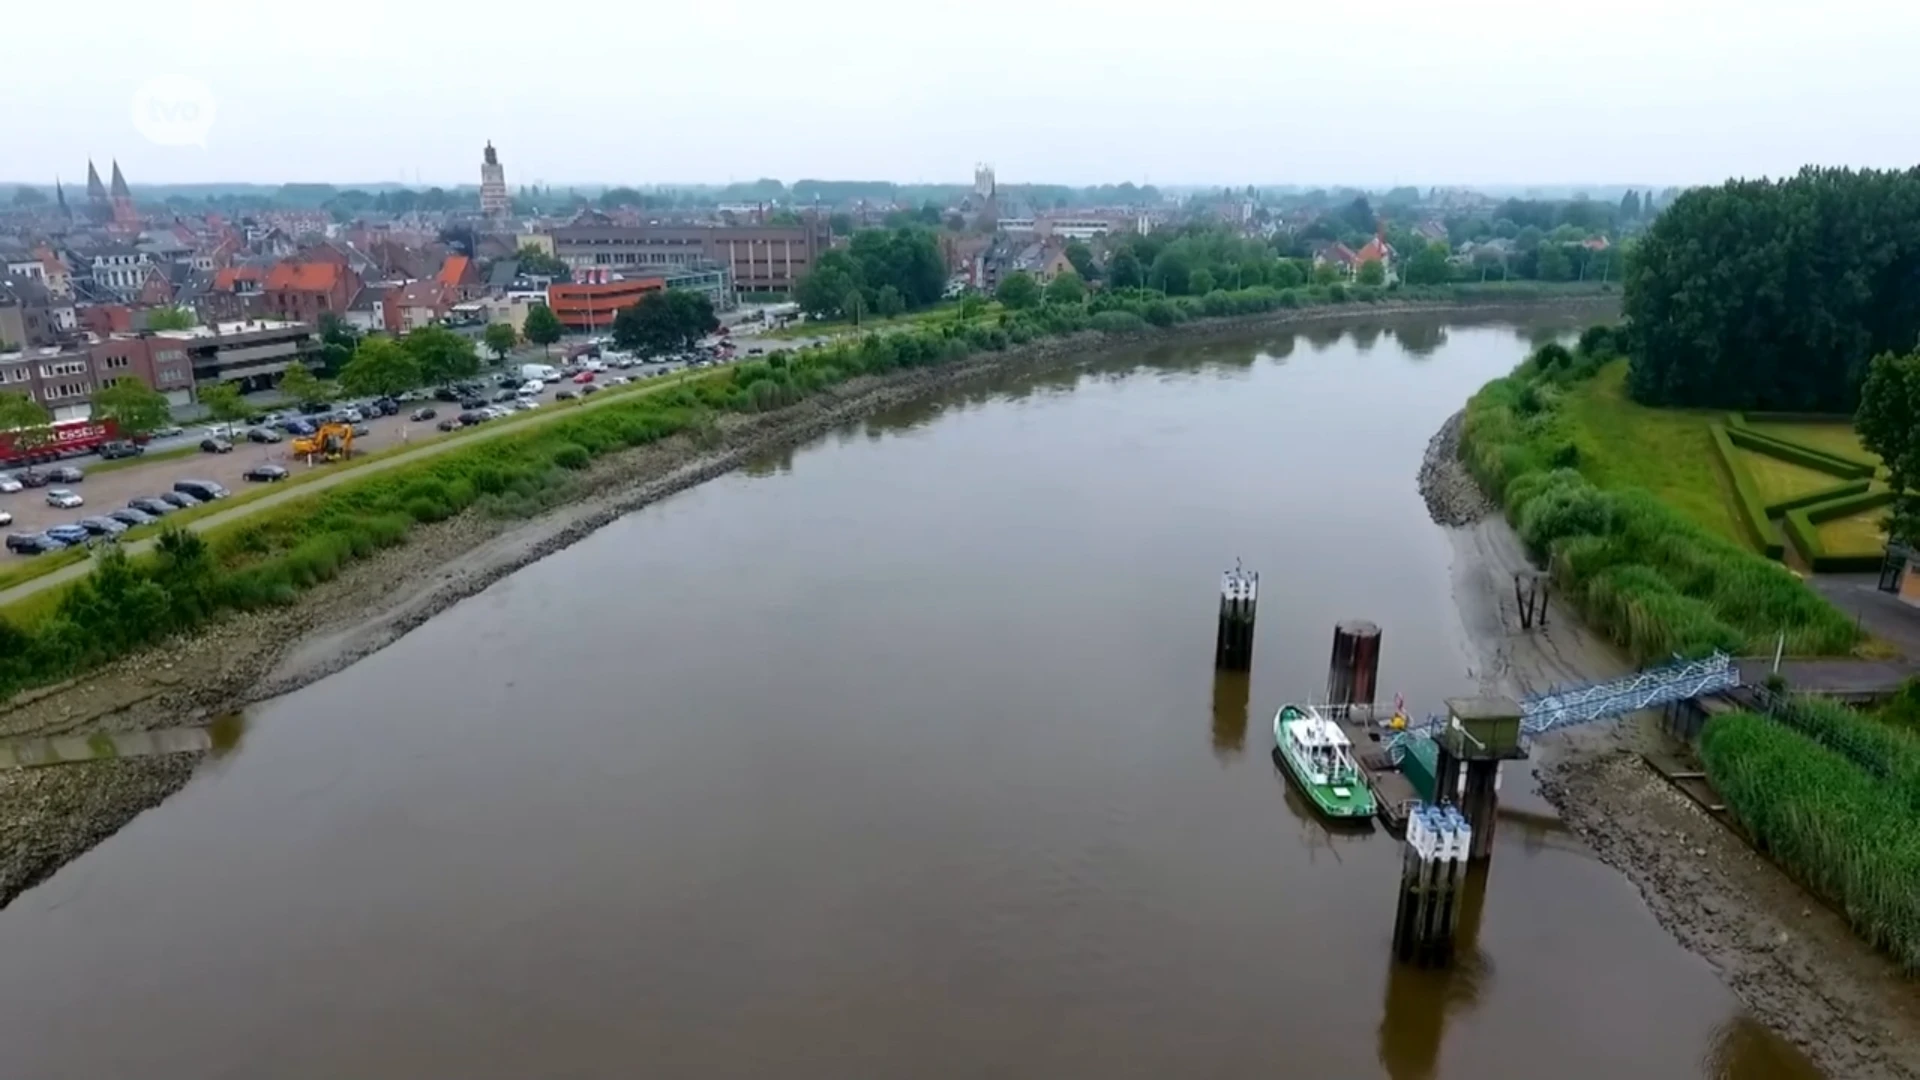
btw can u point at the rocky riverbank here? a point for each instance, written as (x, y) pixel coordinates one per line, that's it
(1792, 962)
(52, 815)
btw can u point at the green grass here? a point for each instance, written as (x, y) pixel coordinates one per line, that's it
(944, 312)
(1832, 438)
(1857, 534)
(1780, 480)
(1668, 452)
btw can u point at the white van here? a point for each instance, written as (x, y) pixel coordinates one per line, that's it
(539, 372)
(531, 389)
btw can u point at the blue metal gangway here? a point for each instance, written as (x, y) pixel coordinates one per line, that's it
(1567, 706)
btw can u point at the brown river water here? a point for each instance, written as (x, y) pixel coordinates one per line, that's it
(901, 755)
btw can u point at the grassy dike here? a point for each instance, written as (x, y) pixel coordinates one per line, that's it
(270, 557)
(1650, 577)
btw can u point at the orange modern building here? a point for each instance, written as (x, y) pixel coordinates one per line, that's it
(592, 304)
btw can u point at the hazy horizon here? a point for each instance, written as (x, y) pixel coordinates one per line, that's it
(1481, 93)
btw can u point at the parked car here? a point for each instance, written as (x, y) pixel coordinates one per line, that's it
(353, 416)
(65, 474)
(264, 474)
(130, 517)
(385, 406)
(472, 403)
(300, 428)
(151, 506)
(584, 377)
(215, 446)
(422, 414)
(120, 448)
(179, 500)
(9, 485)
(473, 416)
(69, 534)
(32, 543)
(564, 395)
(168, 432)
(204, 490)
(33, 478)
(532, 389)
(263, 435)
(446, 393)
(5, 519)
(507, 379)
(64, 498)
(590, 388)
(449, 424)
(102, 526)
(618, 380)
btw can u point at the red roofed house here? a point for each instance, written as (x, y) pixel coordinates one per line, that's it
(1377, 250)
(419, 303)
(1337, 255)
(304, 291)
(236, 292)
(459, 274)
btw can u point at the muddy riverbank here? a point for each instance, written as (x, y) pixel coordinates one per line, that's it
(54, 815)
(1790, 960)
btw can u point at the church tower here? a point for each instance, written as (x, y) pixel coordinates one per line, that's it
(99, 210)
(493, 185)
(122, 200)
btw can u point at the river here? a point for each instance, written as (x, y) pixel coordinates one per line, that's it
(899, 755)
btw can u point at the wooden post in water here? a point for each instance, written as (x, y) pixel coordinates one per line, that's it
(1530, 591)
(1239, 603)
(1354, 670)
(1433, 872)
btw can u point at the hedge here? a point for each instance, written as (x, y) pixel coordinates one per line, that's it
(1753, 512)
(1794, 453)
(1801, 526)
(1815, 498)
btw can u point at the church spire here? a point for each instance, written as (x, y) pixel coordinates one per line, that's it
(60, 199)
(95, 189)
(119, 182)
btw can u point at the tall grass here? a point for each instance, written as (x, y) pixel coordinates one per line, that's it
(1850, 837)
(1651, 579)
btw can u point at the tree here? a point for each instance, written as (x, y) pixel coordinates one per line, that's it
(1428, 266)
(299, 384)
(822, 294)
(667, 321)
(1018, 291)
(443, 355)
(171, 318)
(1552, 263)
(1081, 256)
(841, 224)
(1889, 425)
(1066, 288)
(1286, 274)
(1172, 271)
(1200, 282)
(1630, 206)
(542, 326)
(971, 307)
(888, 302)
(137, 408)
(224, 403)
(501, 339)
(1358, 216)
(1123, 271)
(534, 261)
(26, 196)
(1372, 272)
(1326, 274)
(380, 368)
(31, 425)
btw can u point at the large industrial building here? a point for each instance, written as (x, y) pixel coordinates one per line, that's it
(755, 258)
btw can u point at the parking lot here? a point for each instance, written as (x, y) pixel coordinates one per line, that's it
(104, 491)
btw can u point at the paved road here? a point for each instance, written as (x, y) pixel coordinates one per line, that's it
(491, 430)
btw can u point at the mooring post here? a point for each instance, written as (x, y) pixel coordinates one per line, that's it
(1432, 873)
(1479, 734)
(1478, 804)
(1239, 604)
(1353, 670)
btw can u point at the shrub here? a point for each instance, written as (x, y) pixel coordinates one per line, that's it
(1117, 322)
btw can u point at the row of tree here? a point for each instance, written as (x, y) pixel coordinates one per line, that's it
(1773, 294)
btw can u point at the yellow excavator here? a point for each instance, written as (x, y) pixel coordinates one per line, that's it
(331, 442)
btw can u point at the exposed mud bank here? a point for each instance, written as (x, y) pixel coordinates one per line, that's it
(54, 815)
(1791, 961)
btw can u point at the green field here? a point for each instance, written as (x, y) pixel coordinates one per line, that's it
(1778, 479)
(1666, 451)
(1833, 438)
(1860, 534)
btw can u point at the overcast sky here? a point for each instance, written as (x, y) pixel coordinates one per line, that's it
(1226, 91)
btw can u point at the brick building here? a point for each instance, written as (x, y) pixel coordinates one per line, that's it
(758, 258)
(304, 291)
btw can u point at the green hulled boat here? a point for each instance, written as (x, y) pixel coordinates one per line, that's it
(1320, 759)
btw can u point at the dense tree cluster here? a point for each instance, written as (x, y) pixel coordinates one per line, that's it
(845, 281)
(662, 322)
(1773, 294)
(1889, 425)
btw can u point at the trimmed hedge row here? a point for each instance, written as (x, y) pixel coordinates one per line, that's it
(1815, 498)
(1802, 527)
(1851, 837)
(1753, 511)
(1794, 453)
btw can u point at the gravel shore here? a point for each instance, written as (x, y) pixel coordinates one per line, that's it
(1453, 497)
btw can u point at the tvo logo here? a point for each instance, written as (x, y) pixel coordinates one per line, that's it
(174, 110)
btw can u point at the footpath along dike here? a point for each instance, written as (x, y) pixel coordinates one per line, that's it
(1792, 961)
(54, 814)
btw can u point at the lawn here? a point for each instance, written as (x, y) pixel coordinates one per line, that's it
(1860, 534)
(1666, 451)
(1833, 438)
(948, 311)
(1779, 480)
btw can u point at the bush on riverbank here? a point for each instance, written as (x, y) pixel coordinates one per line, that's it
(270, 557)
(1656, 583)
(1847, 834)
